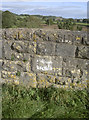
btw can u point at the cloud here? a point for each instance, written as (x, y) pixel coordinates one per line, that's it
(67, 9)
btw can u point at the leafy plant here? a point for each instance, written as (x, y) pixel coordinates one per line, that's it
(24, 60)
(22, 102)
(18, 73)
(12, 57)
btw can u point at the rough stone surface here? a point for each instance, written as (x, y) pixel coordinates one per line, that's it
(46, 48)
(0, 65)
(65, 50)
(44, 58)
(0, 49)
(83, 52)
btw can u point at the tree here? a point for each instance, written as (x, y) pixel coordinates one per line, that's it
(8, 19)
(49, 21)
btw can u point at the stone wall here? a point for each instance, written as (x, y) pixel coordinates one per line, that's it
(43, 58)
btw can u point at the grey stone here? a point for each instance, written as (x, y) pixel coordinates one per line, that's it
(6, 50)
(42, 81)
(31, 49)
(20, 56)
(46, 48)
(47, 65)
(16, 66)
(20, 46)
(0, 65)
(42, 63)
(57, 65)
(74, 68)
(65, 50)
(28, 79)
(83, 52)
(0, 49)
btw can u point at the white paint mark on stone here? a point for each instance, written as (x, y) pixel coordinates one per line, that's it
(44, 65)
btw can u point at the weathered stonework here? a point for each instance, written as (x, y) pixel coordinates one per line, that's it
(43, 58)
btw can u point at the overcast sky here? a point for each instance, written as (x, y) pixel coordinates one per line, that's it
(66, 9)
(44, 0)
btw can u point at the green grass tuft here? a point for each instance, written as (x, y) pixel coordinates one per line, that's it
(22, 102)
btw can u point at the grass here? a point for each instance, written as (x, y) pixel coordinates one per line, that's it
(22, 102)
(84, 24)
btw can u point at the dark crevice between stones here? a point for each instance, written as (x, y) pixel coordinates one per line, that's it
(76, 52)
(82, 41)
(12, 46)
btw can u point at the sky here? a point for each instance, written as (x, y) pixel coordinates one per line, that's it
(44, 0)
(43, 7)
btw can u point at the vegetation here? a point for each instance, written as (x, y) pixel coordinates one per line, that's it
(22, 102)
(12, 57)
(11, 20)
(69, 25)
(66, 25)
(49, 21)
(18, 73)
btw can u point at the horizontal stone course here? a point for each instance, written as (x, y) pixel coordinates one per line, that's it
(59, 36)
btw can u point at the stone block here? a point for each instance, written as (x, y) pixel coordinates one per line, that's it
(57, 65)
(8, 75)
(50, 80)
(20, 47)
(24, 47)
(6, 50)
(83, 52)
(46, 48)
(85, 39)
(20, 56)
(64, 37)
(65, 50)
(18, 34)
(28, 79)
(10, 34)
(45, 35)
(24, 34)
(31, 49)
(74, 68)
(42, 81)
(42, 63)
(16, 66)
(47, 64)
